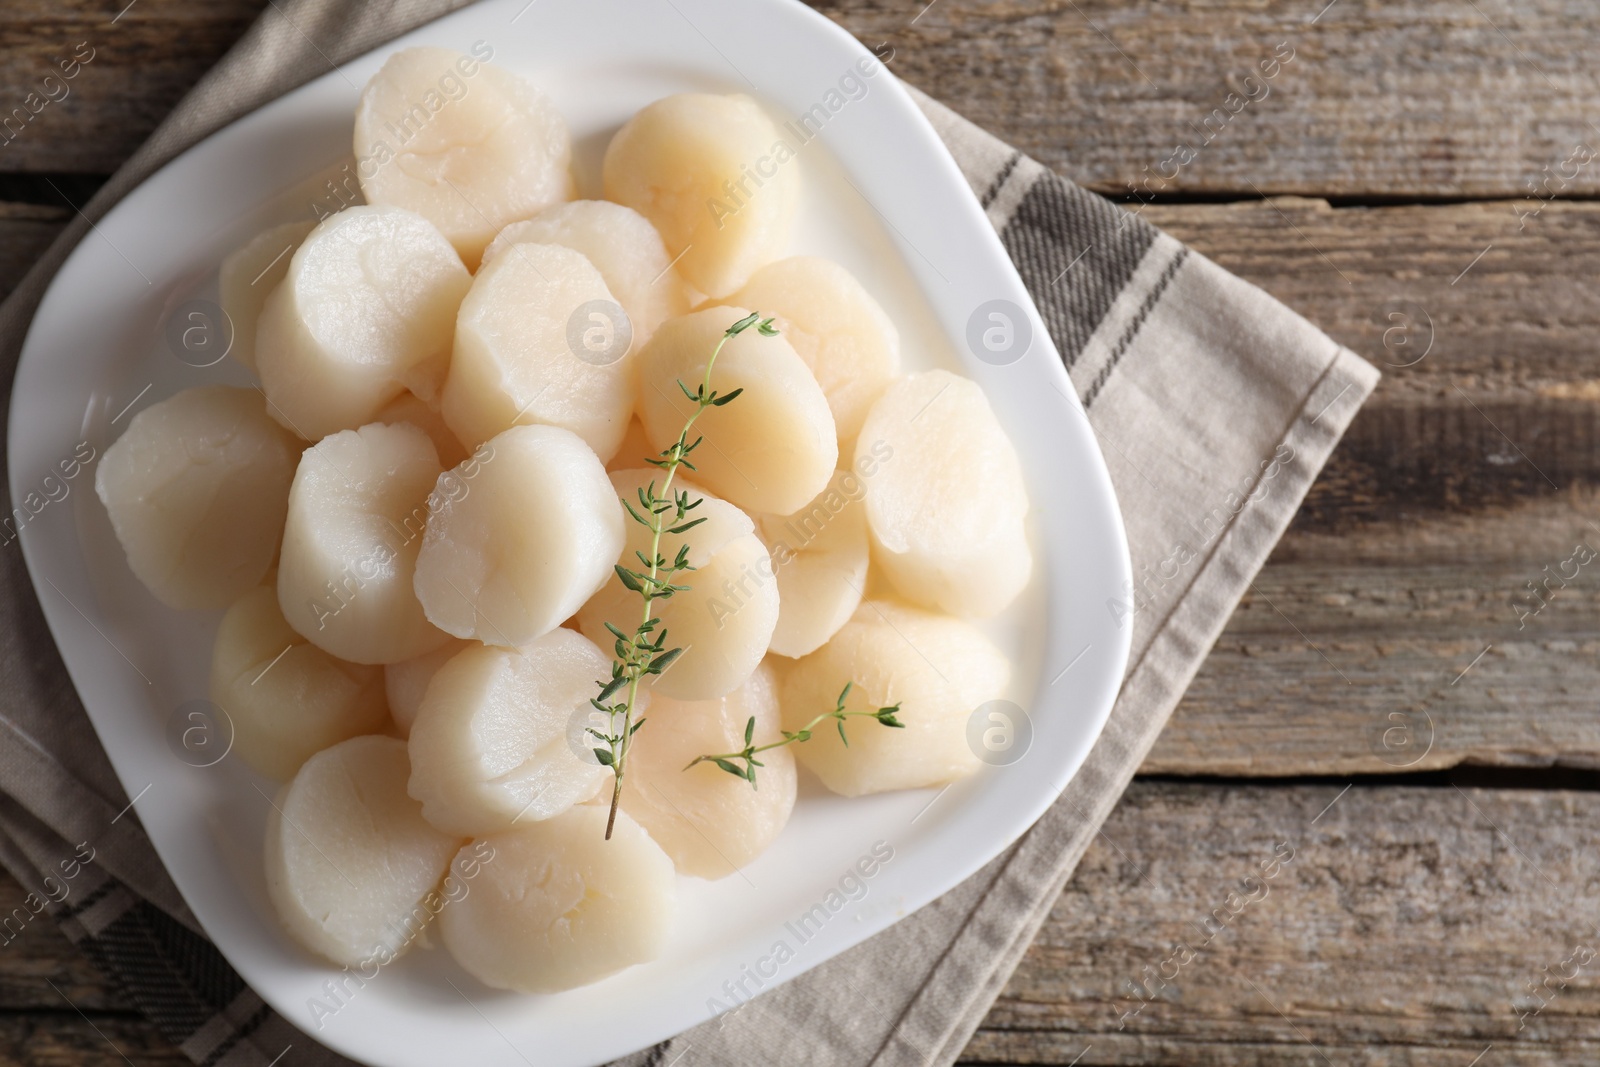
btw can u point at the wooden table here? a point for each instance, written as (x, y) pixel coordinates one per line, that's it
(1418, 180)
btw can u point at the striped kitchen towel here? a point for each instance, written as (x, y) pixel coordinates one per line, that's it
(1214, 404)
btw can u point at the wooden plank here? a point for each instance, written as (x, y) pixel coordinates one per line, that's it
(1405, 930)
(58, 1010)
(1406, 646)
(140, 63)
(1413, 99)
(1482, 322)
(1467, 475)
(1502, 302)
(1416, 98)
(67, 1039)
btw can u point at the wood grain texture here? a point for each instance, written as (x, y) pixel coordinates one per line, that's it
(1422, 98)
(1406, 646)
(1483, 323)
(1417, 98)
(142, 61)
(1405, 931)
(58, 1010)
(66, 1039)
(1468, 473)
(1509, 298)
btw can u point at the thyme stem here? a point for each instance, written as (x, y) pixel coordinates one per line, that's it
(645, 652)
(726, 760)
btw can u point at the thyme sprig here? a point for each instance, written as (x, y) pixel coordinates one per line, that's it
(644, 652)
(728, 761)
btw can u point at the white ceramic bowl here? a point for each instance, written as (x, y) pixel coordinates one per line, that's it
(883, 197)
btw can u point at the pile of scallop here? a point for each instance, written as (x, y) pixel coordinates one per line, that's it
(414, 524)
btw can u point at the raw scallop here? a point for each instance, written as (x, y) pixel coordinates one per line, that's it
(938, 669)
(249, 275)
(408, 407)
(559, 906)
(820, 553)
(406, 682)
(835, 326)
(351, 866)
(468, 146)
(534, 344)
(496, 742)
(197, 489)
(724, 619)
(773, 447)
(634, 450)
(519, 539)
(286, 698)
(947, 515)
(710, 822)
(357, 514)
(624, 248)
(711, 174)
(367, 311)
